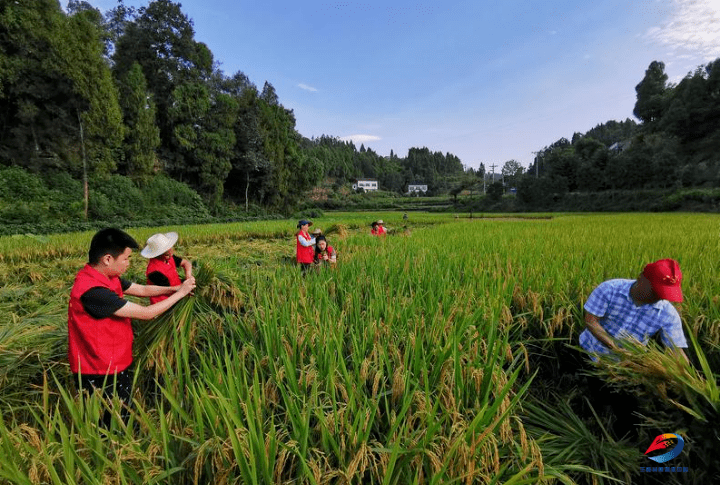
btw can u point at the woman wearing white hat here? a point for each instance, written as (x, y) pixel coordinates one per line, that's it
(377, 228)
(163, 264)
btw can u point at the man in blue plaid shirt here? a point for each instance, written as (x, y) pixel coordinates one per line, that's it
(622, 308)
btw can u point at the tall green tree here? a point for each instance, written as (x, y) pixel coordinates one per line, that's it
(512, 171)
(292, 172)
(81, 53)
(204, 137)
(593, 157)
(59, 103)
(142, 136)
(38, 105)
(249, 165)
(162, 40)
(651, 93)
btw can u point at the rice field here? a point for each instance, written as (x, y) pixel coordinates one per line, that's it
(437, 354)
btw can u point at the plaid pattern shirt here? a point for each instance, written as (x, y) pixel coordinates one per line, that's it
(620, 317)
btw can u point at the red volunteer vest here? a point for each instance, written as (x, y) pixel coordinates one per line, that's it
(95, 346)
(329, 250)
(166, 268)
(380, 231)
(305, 254)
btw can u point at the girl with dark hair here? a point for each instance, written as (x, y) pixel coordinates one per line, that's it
(324, 253)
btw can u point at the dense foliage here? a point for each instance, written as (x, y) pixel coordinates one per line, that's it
(134, 94)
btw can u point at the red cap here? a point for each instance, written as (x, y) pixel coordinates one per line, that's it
(665, 277)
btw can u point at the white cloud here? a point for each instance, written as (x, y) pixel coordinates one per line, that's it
(360, 138)
(307, 88)
(694, 26)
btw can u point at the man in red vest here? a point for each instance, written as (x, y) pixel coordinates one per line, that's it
(100, 333)
(163, 264)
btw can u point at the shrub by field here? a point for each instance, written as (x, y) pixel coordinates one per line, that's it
(434, 355)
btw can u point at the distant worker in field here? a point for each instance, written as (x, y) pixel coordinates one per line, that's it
(163, 264)
(305, 250)
(324, 253)
(639, 308)
(100, 335)
(378, 229)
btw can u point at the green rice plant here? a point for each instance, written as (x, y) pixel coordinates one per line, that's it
(675, 397)
(566, 439)
(407, 363)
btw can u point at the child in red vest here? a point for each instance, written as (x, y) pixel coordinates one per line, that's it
(163, 264)
(100, 333)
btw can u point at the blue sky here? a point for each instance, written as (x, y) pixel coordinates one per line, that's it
(486, 81)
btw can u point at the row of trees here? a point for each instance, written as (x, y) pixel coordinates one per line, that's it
(133, 93)
(675, 144)
(344, 163)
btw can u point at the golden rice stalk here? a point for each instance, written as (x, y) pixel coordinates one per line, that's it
(214, 293)
(340, 229)
(657, 372)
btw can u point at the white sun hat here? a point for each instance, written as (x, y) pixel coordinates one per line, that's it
(157, 244)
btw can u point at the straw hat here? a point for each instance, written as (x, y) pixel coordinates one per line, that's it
(380, 221)
(316, 232)
(157, 244)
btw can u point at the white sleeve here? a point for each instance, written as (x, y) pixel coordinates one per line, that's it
(306, 242)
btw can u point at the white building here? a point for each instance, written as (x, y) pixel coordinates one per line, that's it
(417, 188)
(365, 184)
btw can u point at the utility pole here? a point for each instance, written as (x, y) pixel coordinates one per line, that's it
(493, 172)
(537, 162)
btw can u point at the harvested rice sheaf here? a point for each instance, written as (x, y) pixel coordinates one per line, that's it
(215, 294)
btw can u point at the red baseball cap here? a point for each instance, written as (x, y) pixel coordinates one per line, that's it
(665, 277)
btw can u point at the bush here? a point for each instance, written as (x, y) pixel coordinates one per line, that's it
(18, 185)
(311, 214)
(124, 197)
(495, 191)
(162, 191)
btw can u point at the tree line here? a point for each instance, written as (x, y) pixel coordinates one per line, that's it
(343, 162)
(132, 93)
(87, 97)
(674, 145)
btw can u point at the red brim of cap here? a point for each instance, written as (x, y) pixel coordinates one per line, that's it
(669, 293)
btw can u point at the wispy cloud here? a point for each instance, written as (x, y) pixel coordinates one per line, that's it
(360, 138)
(692, 26)
(307, 88)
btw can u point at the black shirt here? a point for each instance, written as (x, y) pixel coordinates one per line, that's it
(101, 302)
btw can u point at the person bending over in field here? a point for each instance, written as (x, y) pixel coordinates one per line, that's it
(625, 308)
(635, 308)
(304, 251)
(100, 333)
(163, 264)
(324, 253)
